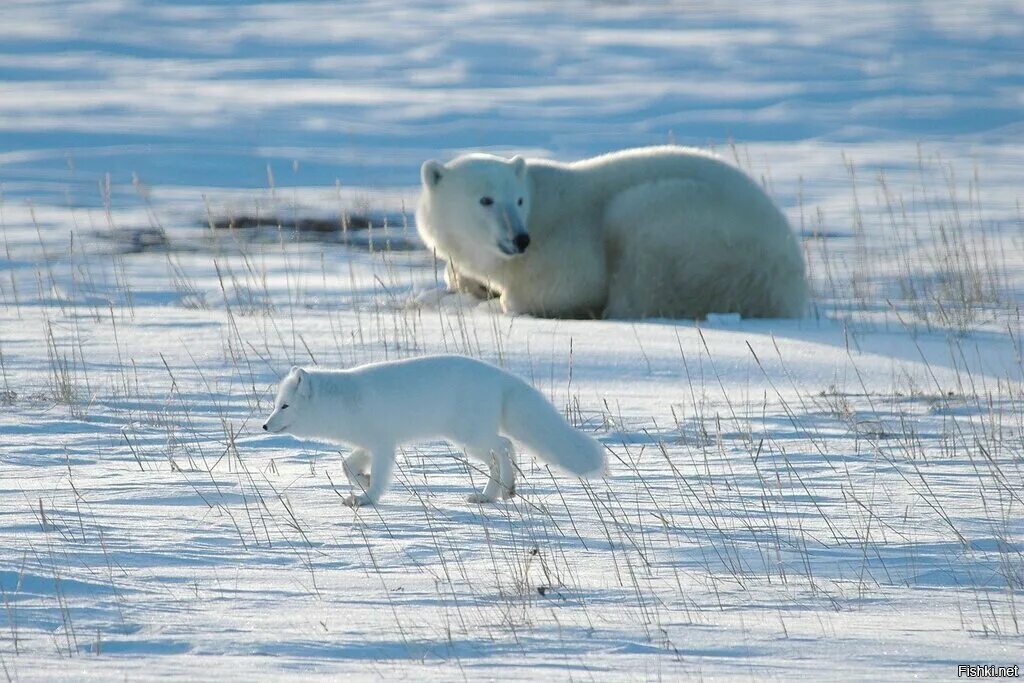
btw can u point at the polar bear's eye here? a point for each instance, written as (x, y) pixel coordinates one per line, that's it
(519, 202)
(486, 201)
(283, 406)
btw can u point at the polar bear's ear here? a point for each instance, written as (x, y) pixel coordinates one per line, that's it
(431, 173)
(519, 165)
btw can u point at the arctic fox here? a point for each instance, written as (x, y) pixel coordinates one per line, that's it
(651, 232)
(377, 407)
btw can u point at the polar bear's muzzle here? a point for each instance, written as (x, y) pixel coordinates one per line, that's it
(515, 246)
(515, 239)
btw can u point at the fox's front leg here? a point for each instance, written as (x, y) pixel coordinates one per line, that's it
(382, 462)
(357, 470)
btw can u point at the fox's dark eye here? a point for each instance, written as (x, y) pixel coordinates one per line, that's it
(486, 201)
(283, 406)
(519, 202)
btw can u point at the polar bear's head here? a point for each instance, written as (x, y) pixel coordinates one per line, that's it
(479, 200)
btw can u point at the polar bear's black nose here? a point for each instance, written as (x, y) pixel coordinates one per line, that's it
(522, 241)
(264, 427)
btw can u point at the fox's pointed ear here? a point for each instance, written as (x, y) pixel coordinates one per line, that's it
(431, 173)
(295, 370)
(301, 381)
(518, 165)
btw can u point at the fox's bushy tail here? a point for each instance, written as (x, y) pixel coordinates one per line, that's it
(529, 419)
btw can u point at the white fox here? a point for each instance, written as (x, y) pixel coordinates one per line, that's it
(375, 408)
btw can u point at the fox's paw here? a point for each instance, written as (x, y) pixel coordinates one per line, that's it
(354, 501)
(509, 493)
(479, 498)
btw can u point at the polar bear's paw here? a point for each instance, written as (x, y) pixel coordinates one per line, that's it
(491, 306)
(433, 299)
(429, 298)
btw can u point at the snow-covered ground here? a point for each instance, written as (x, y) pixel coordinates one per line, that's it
(840, 496)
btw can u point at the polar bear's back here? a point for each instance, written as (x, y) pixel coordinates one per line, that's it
(681, 247)
(685, 233)
(600, 183)
(620, 170)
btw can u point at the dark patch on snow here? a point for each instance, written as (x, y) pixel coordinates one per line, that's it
(371, 232)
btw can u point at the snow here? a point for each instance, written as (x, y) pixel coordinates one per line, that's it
(838, 496)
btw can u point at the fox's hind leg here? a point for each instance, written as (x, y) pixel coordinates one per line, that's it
(491, 490)
(357, 468)
(507, 468)
(499, 456)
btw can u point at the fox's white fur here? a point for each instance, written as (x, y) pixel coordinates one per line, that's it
(377, 407)
(649, 232)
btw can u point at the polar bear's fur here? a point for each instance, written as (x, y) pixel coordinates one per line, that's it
(649, 232)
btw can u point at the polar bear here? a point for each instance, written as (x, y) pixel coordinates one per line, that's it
(668, 232)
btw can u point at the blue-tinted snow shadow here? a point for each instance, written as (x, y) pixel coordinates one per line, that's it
(566, 649)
